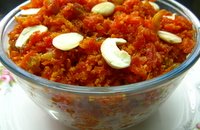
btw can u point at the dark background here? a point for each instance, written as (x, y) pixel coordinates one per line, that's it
(7, 5)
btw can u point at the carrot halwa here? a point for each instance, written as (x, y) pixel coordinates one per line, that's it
(136, 21)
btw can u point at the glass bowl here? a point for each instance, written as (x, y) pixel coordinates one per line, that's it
(96, 108)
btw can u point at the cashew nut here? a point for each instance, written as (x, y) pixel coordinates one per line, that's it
(104, 8)
(67, 41)
(27, 32)
(116, 58)
(169, 37)
(30, 11)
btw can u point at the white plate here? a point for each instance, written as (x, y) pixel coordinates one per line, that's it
(180, 112)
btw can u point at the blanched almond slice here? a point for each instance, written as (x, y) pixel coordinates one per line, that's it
(30, 11)
(27, 32)
(116, 58)
(172, 17)
(67, 41)
(169, 37)
(155, 6)
(104, 8)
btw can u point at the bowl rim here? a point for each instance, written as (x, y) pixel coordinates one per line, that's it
(133, 88)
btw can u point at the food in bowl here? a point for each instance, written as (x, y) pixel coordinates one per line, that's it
(98, 43)
(113, 62)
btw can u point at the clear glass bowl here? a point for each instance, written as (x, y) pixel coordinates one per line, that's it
(99, 108)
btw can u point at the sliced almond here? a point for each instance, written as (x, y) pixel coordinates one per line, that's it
(31, 11)
(27, 32)
(116, 58)
(155, 6)
(169, 37)
(67, 41)
(104, 8)
(172, 17)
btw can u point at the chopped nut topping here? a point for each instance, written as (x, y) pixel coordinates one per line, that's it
(169, 37)
(104, 8)
(67, 41)
(116, 58)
